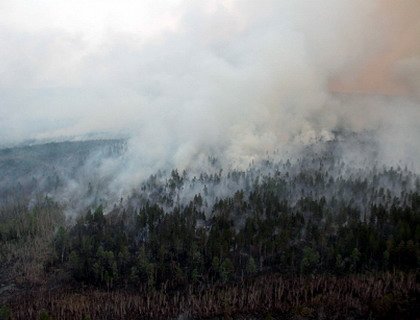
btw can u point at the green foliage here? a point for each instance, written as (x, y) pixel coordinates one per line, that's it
(143, 270)
(226, 270)
(148, 247)
(354, 260)
(44, 315)
(251, 267)
(5, 313)
(297, 221)
(26, 237)
(310, 260)
(61, 243)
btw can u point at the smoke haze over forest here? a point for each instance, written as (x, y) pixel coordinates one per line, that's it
(209, 159)
(231, 79)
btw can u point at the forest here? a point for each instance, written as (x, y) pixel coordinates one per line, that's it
(223, 159)
(308, 237)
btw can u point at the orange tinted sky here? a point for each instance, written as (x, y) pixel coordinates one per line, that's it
(398, 25)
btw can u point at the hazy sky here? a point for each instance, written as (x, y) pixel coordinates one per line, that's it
(185, 77)
(57, 60)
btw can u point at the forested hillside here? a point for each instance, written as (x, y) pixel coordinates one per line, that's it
(315, 219)
(39, 169)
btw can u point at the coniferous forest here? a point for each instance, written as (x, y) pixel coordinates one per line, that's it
(312, 237)
(213, 159)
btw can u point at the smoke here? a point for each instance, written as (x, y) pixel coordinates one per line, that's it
(231, 79)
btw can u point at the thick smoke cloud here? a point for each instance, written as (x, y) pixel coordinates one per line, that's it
(184, 80)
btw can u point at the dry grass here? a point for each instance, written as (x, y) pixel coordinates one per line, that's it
(305, 297)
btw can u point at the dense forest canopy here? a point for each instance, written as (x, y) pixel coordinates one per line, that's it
(315, 214)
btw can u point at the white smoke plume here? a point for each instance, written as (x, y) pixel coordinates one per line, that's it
(232, 79)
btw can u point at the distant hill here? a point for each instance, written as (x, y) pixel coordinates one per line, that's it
(26, 168)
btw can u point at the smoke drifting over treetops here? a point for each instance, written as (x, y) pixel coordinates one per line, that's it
(234, 79)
